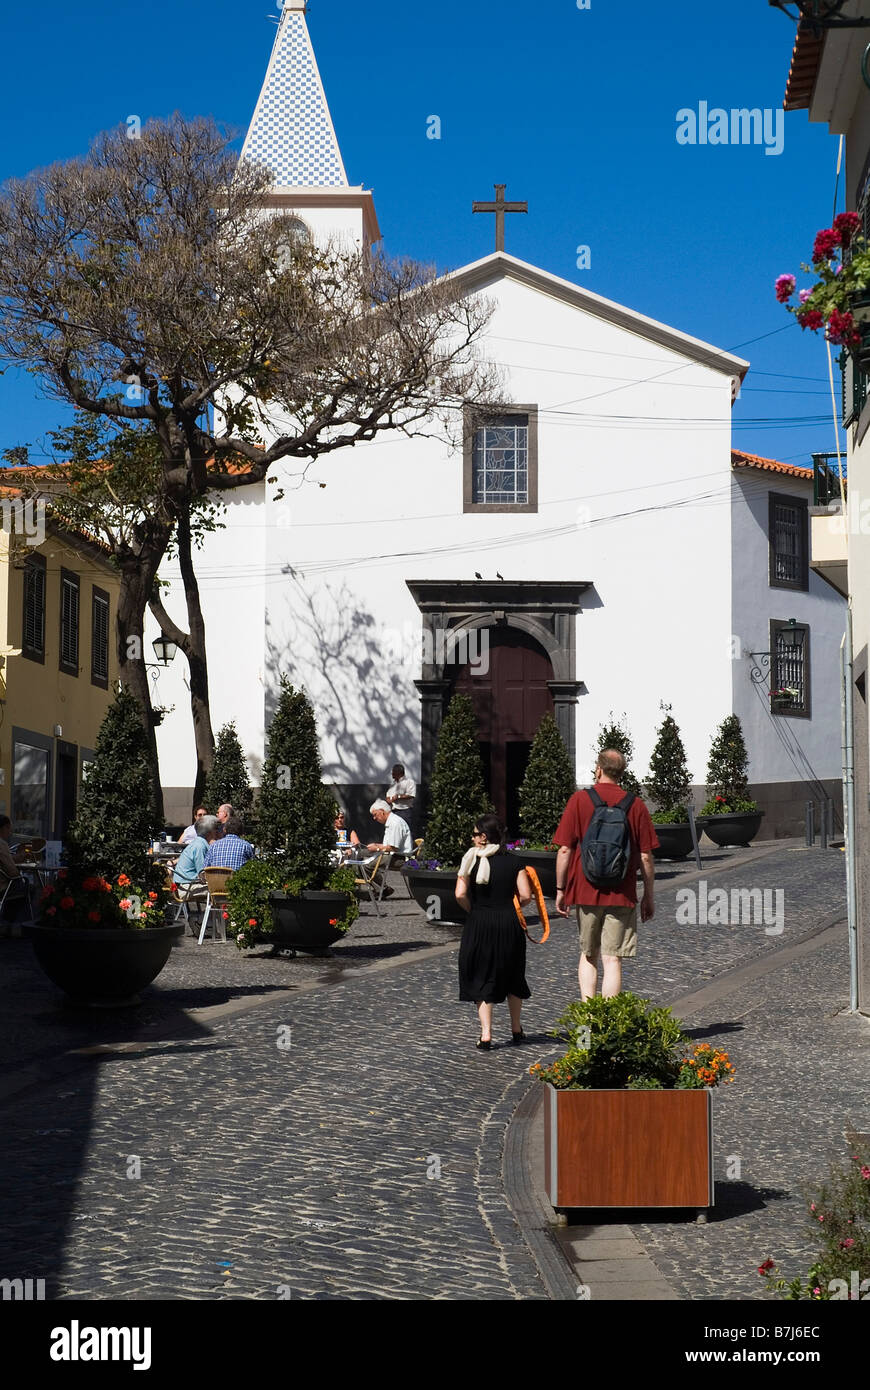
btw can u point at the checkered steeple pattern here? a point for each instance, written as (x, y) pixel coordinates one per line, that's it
(291, 131)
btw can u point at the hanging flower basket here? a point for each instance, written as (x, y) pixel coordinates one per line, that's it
(839, 301)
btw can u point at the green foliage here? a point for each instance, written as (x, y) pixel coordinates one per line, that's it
(668, 783)
(115, 819)
(625, 1042)
(458, 793)
(344, 881)
(839, 1215)
(548, 784)
(228, 779)
(250, 916)
(296, 812)
(615, 735)
(727, 769)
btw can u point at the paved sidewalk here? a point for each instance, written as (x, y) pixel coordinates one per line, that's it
(365, 1160)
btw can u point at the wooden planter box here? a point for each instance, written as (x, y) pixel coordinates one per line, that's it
(628, 1148)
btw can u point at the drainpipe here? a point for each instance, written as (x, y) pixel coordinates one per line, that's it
(849, 806)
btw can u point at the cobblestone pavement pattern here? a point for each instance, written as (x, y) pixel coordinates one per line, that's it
(342, 1139)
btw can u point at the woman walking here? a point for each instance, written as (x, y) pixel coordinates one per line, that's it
(492, 954)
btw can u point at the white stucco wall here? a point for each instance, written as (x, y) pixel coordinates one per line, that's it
(781, 748)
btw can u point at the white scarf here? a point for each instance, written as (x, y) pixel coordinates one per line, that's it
(482, 856)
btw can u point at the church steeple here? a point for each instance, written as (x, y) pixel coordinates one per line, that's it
(292, 134)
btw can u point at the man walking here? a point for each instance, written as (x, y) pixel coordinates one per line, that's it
(606, 915)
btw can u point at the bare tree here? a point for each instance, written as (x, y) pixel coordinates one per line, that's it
(145, 284)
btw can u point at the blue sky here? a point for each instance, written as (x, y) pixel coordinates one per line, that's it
(575, 110)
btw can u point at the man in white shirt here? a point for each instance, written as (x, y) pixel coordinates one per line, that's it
(401, 793)
(397, 832)
(190, 834)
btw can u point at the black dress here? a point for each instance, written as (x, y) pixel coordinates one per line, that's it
(492, 954)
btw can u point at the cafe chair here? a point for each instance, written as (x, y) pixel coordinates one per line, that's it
(365, 880)
(181, 894)
(216, 881)
(31, 848)
(17, 890)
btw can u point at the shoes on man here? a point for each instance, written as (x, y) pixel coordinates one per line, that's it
(388, 893)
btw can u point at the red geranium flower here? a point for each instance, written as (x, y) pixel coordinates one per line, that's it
(333, 921)
(153, 897)
(90, 884)
(61, 873)
(847, 224)
(50, 911)
(825, 244)
(812, 318)
(67, 902)
(123, 880)
(93, 916)
(766, 1267)
(252, 921)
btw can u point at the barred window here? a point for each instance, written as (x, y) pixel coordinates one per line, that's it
(100, 638)
(501, 462)
(789, 550)
(790, 668)
(33, 624)
(69, 622)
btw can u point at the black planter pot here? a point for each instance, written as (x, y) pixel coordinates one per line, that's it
(675, 841)
(432, 889)
(738, 829)
(99, 967)
(304, 923)
(543, 861)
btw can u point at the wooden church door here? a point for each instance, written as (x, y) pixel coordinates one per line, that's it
(509, 699)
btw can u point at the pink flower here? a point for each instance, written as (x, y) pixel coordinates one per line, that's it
(817, 1289)
(847, 1244)
(865, 1171)
(124, 904)
(804, 296)
(784, 287)
(825, 244)
(812, 1206)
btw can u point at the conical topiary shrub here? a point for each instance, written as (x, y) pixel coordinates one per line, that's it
(669, 782)
(295, 811)
(458, 793)
(615, 735)
(115, 819)
(727, 772)
(227, 780)
(548, 785)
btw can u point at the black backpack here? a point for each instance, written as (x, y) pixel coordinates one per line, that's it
(605, 853)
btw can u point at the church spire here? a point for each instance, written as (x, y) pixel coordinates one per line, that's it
(291, 131)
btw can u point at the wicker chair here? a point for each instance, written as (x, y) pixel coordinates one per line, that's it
(216, 881)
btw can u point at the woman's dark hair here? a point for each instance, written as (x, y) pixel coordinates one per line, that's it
(493, 830)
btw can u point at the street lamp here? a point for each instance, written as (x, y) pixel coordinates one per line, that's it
(820, 14)
(164, 650)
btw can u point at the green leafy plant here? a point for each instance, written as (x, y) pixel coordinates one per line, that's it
(615, 735)
(547, 786)
(669, 783)
(114, 822)
(839, 1214)
(249, 914)
(89, 900)
(296, 812)
(625, 1042)
(458, 793)
(727, 772)
(227, 781)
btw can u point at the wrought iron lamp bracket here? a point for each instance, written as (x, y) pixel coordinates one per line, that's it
(759, 671)
(819, 15)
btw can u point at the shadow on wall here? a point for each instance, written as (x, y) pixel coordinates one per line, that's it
(359, 675)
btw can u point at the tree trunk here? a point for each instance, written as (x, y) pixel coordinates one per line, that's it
(137, 580)
(197, 662)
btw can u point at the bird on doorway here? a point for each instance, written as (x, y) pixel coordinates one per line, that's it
(477, 575)
(499, 576)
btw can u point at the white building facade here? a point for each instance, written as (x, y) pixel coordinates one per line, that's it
(593, 549)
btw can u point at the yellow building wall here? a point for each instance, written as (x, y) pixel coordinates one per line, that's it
(38, 698)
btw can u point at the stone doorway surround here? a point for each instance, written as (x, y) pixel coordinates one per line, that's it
(450, 609)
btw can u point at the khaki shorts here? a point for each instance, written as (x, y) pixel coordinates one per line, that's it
(610, 930)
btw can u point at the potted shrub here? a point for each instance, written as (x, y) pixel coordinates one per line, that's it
(627, 1116)
(101, 934)
(546, 788)
(839, 301)
(669, 786)
(457, 796)
(227, 779)
(252, 920)
(731, 817)
(296, 826)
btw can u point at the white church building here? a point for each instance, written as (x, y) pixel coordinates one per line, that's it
(595, 550)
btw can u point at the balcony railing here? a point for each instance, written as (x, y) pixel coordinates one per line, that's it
(826, 478)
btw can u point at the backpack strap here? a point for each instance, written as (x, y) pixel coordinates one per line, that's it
(595, 798)
(627, 802)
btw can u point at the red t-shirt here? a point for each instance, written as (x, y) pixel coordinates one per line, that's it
(573, 826)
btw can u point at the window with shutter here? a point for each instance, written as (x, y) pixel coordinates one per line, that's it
(69, 622)
(790, 669)
(33, 622)
(100, 638)
(788, 533)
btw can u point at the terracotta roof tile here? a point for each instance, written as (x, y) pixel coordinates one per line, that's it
(804, 69)
(741, 460)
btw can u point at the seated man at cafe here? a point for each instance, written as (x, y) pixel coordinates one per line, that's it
(9, 869)
(230, 851)
(397, 832)
(188, 836)
(192, 857)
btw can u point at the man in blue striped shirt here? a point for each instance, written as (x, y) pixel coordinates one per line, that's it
(230, 852)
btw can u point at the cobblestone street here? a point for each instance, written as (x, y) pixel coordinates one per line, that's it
(326, 1129)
